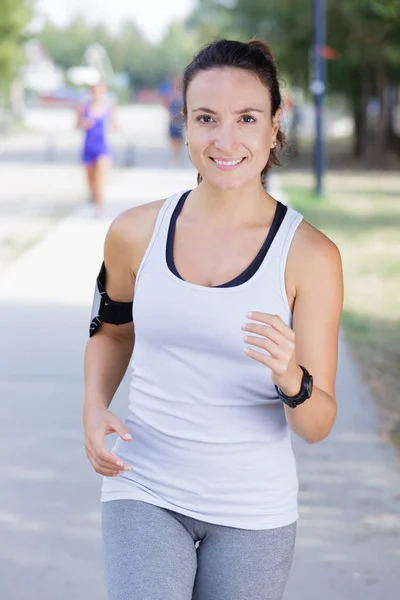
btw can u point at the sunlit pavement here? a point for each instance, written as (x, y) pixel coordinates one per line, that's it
(348, 544)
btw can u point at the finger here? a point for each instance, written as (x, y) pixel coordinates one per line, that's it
(268, 345)
(116, 469)
(117, 464)
(106, 472)
(274, 321)
(118, 426)
(101, 469)
(262, 358)
(99, 453)
(104, 468)
(265, 331)
(96, 442)
(107, 458)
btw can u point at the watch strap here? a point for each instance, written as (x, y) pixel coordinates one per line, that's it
(303, 395)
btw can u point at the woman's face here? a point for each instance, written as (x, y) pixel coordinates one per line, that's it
(98, 91)
(229, 128)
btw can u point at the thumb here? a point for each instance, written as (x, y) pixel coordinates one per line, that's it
(120, 428)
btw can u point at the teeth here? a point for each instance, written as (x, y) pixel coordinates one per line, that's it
(228, 163)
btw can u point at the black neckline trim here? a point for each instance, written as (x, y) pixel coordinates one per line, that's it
(253, 267)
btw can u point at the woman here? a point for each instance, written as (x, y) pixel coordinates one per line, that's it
(237, 307)
(94, 119)
(172, 100)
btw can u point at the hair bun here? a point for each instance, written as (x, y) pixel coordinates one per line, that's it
(264, 48)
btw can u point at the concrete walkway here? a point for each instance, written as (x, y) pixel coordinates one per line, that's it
(349, 533)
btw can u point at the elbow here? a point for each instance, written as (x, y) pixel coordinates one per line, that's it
(314, 437)
(323, 426)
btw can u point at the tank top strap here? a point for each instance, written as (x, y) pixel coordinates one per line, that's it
(160, 233)
(284, 240)
(292, 221)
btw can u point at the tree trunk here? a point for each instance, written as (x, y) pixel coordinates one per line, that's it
(359, 100)
(392, 136)
(360, 127)
(384, 116)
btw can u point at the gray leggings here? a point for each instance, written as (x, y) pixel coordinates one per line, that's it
(156, 554)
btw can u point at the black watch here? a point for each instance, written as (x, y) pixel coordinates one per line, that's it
(305, 391)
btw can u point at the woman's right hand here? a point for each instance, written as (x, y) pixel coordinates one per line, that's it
(87, 124)
(98, 423)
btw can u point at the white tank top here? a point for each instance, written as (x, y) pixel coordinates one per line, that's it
(209, 435)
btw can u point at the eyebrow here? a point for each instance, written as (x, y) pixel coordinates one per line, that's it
(237, 112)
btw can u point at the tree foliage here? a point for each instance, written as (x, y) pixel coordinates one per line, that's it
(355, 30)
(365, 35)
(147, 64)
(14, 17)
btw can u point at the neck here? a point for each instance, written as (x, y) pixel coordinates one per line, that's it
(246, 205)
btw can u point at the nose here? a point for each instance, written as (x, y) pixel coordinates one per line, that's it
(225, 139)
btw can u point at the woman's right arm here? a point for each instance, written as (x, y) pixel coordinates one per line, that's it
(79, 117)
(107, 355)
(81, 122)
(109, 350)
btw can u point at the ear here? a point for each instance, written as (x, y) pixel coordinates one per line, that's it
(276, 119)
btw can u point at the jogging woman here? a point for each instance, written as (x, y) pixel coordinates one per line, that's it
(172, 100)
(95, 118)
(236, 311)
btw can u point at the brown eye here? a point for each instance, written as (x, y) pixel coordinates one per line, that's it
(248, 119)
(204, 119)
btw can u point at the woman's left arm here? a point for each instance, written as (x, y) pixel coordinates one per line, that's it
(316, 267)
(113, 118)
(316, 321)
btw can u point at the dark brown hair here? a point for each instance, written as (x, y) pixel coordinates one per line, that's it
(254, 56)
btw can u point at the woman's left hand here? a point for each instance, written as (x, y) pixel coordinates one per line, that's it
(278, 339)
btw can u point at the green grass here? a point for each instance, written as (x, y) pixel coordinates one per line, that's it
(361, 214)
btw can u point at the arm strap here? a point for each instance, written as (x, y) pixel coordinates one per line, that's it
(106, 310)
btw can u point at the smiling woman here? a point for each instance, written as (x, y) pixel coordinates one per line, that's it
(236, 311)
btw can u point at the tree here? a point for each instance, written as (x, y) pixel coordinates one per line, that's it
(15, 16)
(368, 33)
(128, 49)
(67, 45)
(365, 33)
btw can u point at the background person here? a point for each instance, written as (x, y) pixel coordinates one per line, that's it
(172, 100)
(95, 118)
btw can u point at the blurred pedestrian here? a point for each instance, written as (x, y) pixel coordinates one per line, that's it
(171, 96)
(95, 117)
(200, 490)
(292, 109)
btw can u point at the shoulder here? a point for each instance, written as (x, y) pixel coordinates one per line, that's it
(313, 256)
(308, 239)
(136, 222)
(130, 233)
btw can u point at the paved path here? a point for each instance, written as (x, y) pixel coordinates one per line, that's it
(41, 181)
(349, 532)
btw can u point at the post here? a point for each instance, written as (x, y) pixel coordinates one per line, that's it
(317, 88)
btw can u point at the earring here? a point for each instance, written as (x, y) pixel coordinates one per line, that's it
(186, 143)
(274, 145)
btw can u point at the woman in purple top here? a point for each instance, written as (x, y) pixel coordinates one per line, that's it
(94, 119)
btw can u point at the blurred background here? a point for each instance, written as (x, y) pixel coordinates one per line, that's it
(340, 75)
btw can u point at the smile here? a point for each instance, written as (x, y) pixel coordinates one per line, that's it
(227, 163)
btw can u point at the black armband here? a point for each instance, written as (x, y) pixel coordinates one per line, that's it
(104, 309)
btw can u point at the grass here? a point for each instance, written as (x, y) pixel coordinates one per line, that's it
(361, 214)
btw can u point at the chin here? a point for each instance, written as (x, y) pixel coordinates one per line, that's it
(227, 183)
